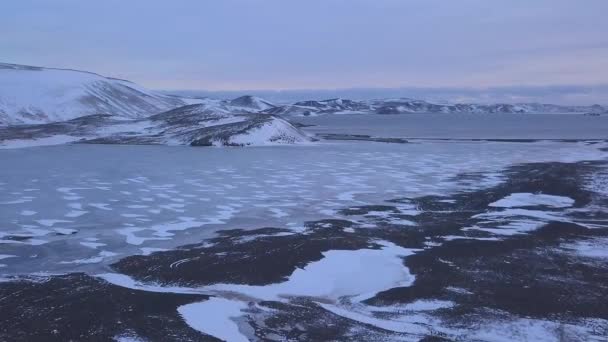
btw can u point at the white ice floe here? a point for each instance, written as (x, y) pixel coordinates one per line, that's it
(527, 199)
(27, 212)
(215, 317)
(360, 273)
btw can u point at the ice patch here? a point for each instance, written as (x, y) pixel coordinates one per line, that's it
(93, 260)
(75, 213)
(50, 223)
(128, 338)
(524, 329)
(511, 228)
(161, 231)
(528, 199)
(278, 213)
(65, 231)
(522, 221)
(102, 206)
(130, 283)
(428, 305)
(28, 212)
(594, 248)
(361, 273)
(215, 317)
(19, 201)
(415, 324)
(93, 245)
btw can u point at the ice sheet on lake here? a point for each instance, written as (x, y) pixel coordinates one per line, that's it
(136, 205)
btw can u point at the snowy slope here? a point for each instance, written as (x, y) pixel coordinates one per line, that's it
(31, 95)
(194, 125)
(249, 102)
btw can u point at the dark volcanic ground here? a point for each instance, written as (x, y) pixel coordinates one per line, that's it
(482, 272)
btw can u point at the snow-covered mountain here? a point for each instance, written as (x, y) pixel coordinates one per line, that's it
(31, 95)
(194, 125)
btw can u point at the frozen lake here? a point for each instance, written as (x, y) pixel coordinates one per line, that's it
(79, 207)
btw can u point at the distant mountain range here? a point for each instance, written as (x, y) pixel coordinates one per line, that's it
(410, 106)
(42, 106)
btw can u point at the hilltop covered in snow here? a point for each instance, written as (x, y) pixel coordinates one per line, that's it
(30, 95)
(193, 125)
(43, 106)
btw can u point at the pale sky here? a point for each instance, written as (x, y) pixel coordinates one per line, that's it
(314, 44)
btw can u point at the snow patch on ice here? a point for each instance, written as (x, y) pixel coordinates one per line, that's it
(361, 273)
(593, 248)
(215, 317)
(93, 260)
(528, 199)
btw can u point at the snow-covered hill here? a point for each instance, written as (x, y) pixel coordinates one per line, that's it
(194, 125)
(249, 102)
(30, 95)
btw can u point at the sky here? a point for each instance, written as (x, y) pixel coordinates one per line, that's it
(315, 44)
